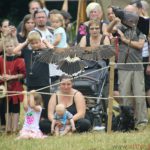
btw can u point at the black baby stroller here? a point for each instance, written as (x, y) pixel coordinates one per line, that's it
(91, 83)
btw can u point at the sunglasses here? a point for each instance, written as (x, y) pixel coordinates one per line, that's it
(96, 28)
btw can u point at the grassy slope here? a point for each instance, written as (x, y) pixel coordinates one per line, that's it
(87, 141)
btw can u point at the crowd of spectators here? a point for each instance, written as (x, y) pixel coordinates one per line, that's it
(48, 29)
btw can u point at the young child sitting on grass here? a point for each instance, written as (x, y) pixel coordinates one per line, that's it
(60, 124)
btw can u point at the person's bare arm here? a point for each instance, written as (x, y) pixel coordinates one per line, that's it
(57, 39)
(47, 44)
(73, 128)
(104, 29)
(25, 101)
(134, 44)
(8, 77)
(148, 69)
(83, 42)
(80, 106)
(148, 66)
(32, 102)
(111, 25)
(42, 2)
(17, 49)
(65, 5)
(53, 125)
(51, 107)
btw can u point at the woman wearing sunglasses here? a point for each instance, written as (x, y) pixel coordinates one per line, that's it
(95, 38)
(93, 11)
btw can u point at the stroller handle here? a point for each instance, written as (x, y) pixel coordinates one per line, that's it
(90, 78)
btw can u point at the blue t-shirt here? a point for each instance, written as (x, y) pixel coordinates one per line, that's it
(63, 119)
(63, 42)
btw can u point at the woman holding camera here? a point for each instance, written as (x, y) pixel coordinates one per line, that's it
(7, 31)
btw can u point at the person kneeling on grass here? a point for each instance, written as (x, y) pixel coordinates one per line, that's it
(33, 108)
(59, 123)
(74, 102)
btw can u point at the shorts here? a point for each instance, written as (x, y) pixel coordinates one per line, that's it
(13, 108)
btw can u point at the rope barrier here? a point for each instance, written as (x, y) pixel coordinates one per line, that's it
(90, 97)
(18, 93)
(75, 77)
(131, 96)
(139, 63)
(44, 93)
(111, 63)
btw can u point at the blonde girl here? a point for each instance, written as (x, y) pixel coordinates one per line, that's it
(60, 38)
(33, 108)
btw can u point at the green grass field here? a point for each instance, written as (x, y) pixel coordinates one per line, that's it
(136, 140)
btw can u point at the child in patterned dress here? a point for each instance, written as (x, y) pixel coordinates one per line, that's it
(33, 109)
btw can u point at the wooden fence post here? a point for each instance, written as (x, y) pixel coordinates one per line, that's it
(81, 14)
(111, 90)
(5, 83)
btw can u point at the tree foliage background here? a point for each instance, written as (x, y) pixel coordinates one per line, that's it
(13, 10)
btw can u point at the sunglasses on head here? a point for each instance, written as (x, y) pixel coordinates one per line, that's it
(38, 11)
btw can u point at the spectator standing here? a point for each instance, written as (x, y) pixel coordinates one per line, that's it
(7, 31)
(37, 72)
(143, 8)
(60, 38)
(43, 6)
(27, 26)
(33, 5)
(93, 11)
(114, 39)
(40, 19)
(131, 76)
(15, 71)
(95, 38)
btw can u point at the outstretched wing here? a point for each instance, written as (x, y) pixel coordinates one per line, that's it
(88, 53)
(45, 56)
(70, 60)
(57, 54)
(98, 53)
(74, 64)
(105, 51)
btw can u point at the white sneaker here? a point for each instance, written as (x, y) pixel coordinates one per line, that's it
(99, 128)
(141, 126)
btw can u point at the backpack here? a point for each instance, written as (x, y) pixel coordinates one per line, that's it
(124, 122)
